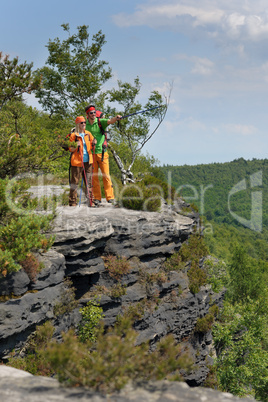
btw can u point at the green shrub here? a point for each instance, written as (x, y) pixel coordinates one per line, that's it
(20, 234)
(141, 198)
(217, 274)
(115, 359)
(193, 250)
(135, 312)
(7, 263)
(91, 316)
(152, 200)
(159, 277)
(205, 323)
(19, 237)
(197, 278)
(67, 302)
(34, 360)
(117, 290)
(117, 266)
(166, 191)
(174, 263)
(132, 197)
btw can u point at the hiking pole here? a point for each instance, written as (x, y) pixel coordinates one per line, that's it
(85, 177)
(81, 191)
(142, 111)
(93, 156)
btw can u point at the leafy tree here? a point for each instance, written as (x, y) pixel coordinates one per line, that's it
(20, 234)
(27, 136)
(134, 132)
(30, 141)
(246, 277)
(15, 79)
(74, 76)
(74, 73)
(241, 343)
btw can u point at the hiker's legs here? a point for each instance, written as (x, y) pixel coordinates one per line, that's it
(95, 179)
(88, 182)
(107, 182)
(75, 177)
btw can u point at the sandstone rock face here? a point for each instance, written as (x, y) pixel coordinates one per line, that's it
(83, 237)
(16, 385)
(15, 283)
(34, 302)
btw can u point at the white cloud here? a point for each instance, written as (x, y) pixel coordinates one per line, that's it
(193, 124)
(233, 24)
(218, 59)
(201, 65)
(241, 129)
(240, 20)
(152, 15)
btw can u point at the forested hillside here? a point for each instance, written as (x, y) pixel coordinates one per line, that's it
(216, 180)
(232, 199)
(233, 194)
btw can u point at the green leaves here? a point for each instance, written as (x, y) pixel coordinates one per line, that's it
(134, 131)
(30, 141)
(19, 235)
(91, 316)
(242, 363)
(246, 277)
(114, 358)
(74, 73)
(15, 79)
(7, 262)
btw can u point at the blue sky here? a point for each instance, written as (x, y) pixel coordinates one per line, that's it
(213, 51)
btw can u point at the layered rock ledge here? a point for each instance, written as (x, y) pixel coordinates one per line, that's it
(16, 385)
(83, 237)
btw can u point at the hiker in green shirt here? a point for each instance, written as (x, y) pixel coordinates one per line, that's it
(100, 154)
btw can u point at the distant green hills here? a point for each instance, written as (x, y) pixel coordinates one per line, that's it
(232, 198)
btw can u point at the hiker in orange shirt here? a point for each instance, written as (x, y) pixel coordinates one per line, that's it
(81, 161)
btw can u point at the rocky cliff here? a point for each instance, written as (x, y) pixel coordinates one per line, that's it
(17, 385)
(83, 238)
